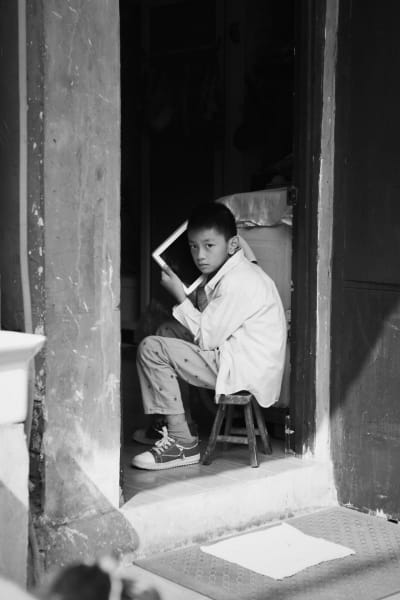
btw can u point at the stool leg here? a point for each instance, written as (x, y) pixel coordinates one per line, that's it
(212, 440)
(251, 435)
(262, 428)
(228, 422)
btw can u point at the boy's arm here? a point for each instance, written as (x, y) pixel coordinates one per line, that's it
(220, 319)
(171, 282)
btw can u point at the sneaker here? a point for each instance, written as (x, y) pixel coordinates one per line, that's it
(166, 454)
(154, 433)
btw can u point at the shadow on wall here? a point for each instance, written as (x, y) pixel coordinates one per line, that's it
(365, 410)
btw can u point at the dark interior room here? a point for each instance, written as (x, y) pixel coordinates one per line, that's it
(207, 111)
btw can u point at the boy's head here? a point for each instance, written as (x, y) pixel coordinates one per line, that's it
(212, 236)
(99, 581)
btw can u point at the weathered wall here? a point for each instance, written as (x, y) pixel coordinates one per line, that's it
(35, 55)
(81, 219)
(74, 174)
(11, 317)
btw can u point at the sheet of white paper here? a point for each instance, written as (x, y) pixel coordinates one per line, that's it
(277, 552)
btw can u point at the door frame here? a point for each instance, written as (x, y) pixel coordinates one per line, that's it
(316, 22)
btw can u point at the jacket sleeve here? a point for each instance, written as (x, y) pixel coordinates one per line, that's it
(229, 308)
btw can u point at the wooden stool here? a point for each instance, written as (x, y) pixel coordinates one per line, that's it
(226, 405)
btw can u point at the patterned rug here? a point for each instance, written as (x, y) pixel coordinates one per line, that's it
(372, 573)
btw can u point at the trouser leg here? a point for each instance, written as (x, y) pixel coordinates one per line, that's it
(173, 329)
(161, 361)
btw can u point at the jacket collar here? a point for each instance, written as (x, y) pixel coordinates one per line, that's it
(226, 267)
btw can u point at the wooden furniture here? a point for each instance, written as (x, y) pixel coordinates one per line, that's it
(226, 406)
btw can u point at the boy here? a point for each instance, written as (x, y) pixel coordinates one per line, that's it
(239, 336)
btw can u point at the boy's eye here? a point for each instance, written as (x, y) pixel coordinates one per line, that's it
(209, 245)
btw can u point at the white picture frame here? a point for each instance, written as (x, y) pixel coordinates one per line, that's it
(174, 253)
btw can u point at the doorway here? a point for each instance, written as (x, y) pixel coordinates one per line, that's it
(207, 111)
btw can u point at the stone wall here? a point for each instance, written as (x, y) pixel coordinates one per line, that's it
(74, 194)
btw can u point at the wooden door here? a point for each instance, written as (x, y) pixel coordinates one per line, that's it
(366, 276)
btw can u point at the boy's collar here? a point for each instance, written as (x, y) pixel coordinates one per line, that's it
(231, 262)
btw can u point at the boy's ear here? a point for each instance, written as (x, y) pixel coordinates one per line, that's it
(233, 245)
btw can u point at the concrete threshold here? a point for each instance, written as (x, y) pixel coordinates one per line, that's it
(213, 501)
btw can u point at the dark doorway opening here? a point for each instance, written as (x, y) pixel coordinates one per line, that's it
(207, 111)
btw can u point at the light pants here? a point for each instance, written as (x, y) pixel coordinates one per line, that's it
(161, 361)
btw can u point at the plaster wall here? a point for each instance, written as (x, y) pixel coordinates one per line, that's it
(74, 194)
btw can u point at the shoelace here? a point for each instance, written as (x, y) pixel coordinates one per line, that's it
(165, 441)
(159, 429)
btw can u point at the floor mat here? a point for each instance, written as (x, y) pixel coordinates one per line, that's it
(372, 573)
(293, 550)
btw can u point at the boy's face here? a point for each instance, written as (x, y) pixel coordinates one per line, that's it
(210, 249)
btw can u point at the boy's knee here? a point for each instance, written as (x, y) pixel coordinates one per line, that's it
(173, 329)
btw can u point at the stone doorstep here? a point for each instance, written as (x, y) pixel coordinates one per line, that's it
(294, 487)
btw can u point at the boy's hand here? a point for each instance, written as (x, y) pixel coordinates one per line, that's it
(171, 282)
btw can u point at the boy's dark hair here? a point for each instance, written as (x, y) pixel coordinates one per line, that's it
(80, 582)
(92, 582)
(213, 215)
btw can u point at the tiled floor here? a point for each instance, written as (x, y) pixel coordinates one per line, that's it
(229, 465)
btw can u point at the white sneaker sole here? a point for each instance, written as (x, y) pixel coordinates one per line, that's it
(179, 462)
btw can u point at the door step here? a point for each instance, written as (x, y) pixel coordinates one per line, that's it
(208, 502)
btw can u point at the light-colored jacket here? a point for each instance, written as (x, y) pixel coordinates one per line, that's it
(245, 322)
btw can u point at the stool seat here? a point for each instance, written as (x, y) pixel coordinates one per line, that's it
(226, 405)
